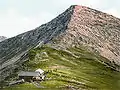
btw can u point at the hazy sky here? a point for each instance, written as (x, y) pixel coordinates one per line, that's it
(18, 16)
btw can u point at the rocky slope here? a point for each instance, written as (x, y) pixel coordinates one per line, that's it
(13, 51)
(2, 38)
(98, 31)
(77, 26)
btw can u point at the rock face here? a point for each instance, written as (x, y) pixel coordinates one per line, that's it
(2, 38)
(78, 25)
(98, 31)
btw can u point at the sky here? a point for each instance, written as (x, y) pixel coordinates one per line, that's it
(18, 16)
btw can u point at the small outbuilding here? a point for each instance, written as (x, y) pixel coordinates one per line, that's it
(28, 76)
(40, 71)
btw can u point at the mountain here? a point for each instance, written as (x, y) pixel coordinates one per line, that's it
(2, 38)
(77, 27)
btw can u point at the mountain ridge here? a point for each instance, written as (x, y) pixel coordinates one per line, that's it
(13, 50)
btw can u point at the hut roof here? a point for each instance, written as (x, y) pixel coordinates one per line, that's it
(28, 74)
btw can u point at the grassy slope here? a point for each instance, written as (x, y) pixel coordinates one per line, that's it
(79, 69)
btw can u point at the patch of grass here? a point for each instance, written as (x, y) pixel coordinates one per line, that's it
(73, 68)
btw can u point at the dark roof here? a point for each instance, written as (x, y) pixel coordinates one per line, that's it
(28, 74)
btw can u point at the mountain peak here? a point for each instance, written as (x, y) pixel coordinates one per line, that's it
(79, 6)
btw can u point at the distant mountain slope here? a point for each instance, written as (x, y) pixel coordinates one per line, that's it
(77, 26)
(2, 38)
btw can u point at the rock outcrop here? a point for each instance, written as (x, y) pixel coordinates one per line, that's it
(2, 38)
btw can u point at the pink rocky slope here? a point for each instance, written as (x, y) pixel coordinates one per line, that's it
(97, 31)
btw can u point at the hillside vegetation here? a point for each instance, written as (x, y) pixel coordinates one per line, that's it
(73, 68)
